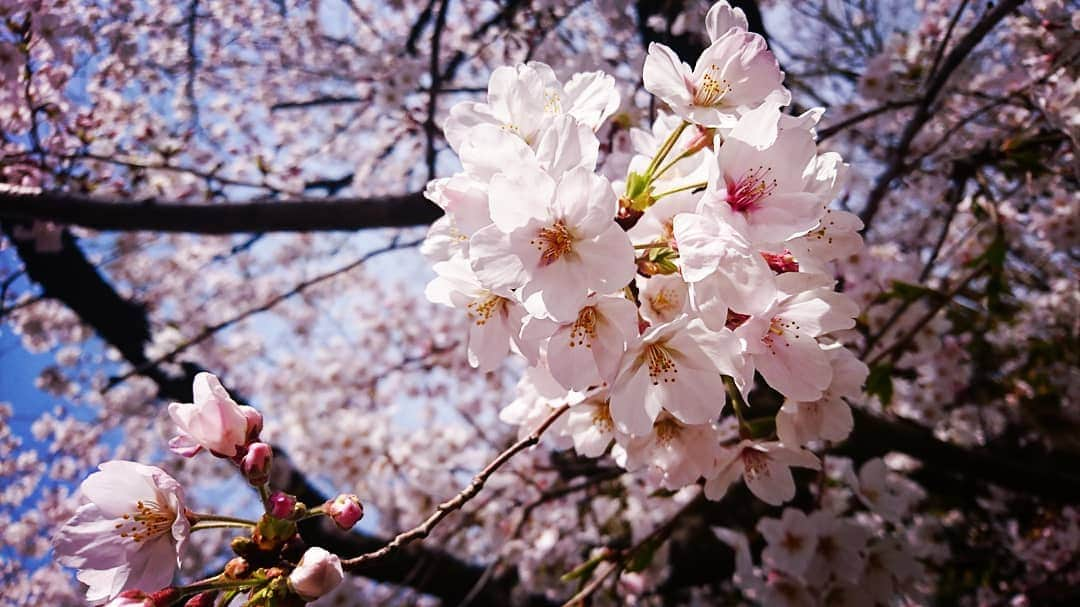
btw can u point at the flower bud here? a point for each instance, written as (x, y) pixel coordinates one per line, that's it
(256, 463)
(254, 422)
(243, 546)
(345, 509)
(319, 572)
(203, 599)
(164, 597)
(282, 505)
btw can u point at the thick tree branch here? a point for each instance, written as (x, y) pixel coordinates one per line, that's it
(292, 215)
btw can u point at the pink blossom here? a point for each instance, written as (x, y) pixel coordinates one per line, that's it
(213, 422)
(130, 533)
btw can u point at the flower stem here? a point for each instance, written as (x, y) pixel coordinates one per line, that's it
(737, 402)
(264, 494)
(201, 520)
(692, 186)
(665, 149)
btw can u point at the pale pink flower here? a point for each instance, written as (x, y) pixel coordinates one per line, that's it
(590, 426)
(724, 270)
(829, 417)
(835, 237)
(878, 492)
(792, 540)
(318, 573)
(663, 297)
(684, 453)
(130, 533)
(587, 351)
(761, 187)
(494, 318)
(523, 99)
(676, 367)
(839, 550)
(735, 73)
(781, 340)
(553, 240)
(764, 466)
(213, 422)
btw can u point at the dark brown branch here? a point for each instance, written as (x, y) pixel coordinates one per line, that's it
(292, 215)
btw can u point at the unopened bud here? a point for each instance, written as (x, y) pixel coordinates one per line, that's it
(256, 463)
(164, 597)
(319, 572)
(243, 546)
(237, 568)
(254, 422)
(282, 505)
(203, 599)
(345, 509)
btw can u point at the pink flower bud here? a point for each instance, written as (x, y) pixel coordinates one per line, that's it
(282, 504)
(256, 463)
(319, 572)
(213, 422)
(254, 422)
(203, 599)
(345, 509)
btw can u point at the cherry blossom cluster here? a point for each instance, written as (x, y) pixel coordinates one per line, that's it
(648, 303)
(130, 534)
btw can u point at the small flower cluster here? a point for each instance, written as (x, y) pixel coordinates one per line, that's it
(648, 304)
(128, 538)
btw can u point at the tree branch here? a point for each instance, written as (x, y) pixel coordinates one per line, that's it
(444, 509)
(922, 113)
(291, 215)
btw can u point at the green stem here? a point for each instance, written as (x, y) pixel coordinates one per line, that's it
(264, 494)
(316, 511)
(199, 517)
(218, 582)
(737, 402)
(665, 149)
(683, 156)
(692, 186)
(219, 525)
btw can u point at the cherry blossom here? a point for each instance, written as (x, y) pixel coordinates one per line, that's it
(735, 73)
(129, 535)
(764, 466)
(213, 422)
(675, 367)
(560, 237)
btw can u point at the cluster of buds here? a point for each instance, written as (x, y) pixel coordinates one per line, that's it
(129, 536)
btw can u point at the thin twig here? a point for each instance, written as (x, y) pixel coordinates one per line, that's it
(444, 509)
(211, 330)
(922, 115)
